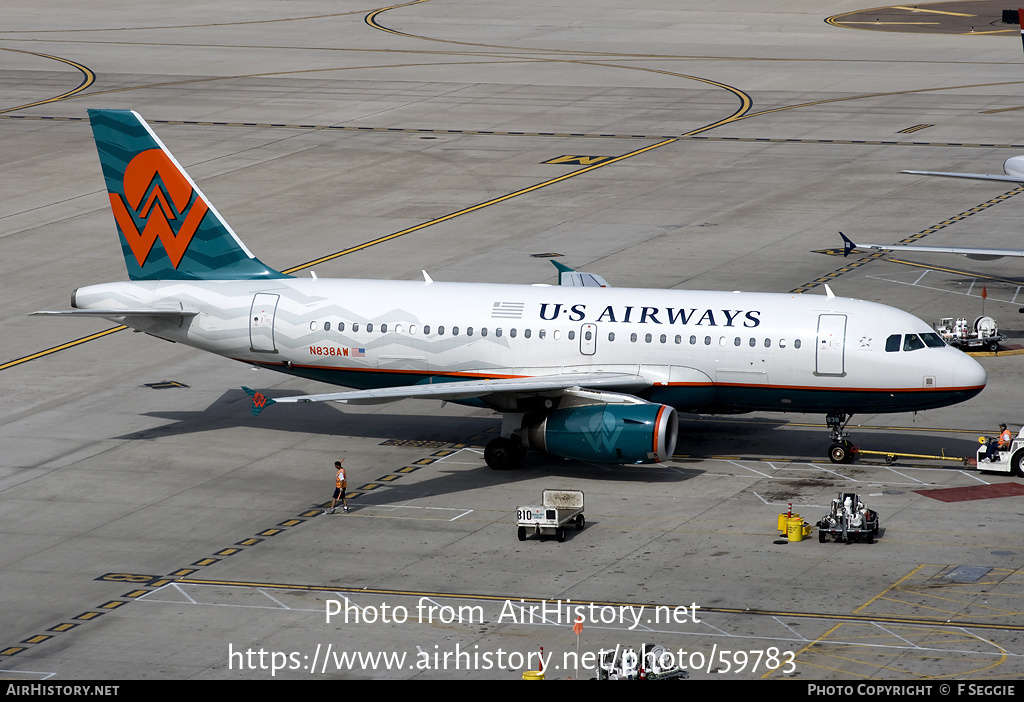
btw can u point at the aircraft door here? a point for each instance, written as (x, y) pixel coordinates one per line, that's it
(261, 322)
(588, 339)
(831, 341)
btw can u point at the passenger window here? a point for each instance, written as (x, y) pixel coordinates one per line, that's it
(782, 343)
(753, 342)
(527, 333)
(455, 331)
(469, 331)
(312, 326)
(572, 335)
(398, 329)
(483, 331)
(707, 341)
(355, 326)
(796, 343)
(341, 326)
(557, 334)
(497, 332)
(893, 343)
(767, 343)
(512, 333)
(693, 341)
(679, 338)
(589, 335)
(632, 337)
(911, 342)
(383, 328)
(327, 326)
(611, 336)
(664, 338)
(737, 341)
(648, 338)
(369, 327)
(541, 334)
(440, 331)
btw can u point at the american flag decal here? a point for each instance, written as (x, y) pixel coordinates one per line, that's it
(507, 310)
(358, 353)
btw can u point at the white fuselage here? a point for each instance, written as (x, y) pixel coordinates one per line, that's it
(727, 351)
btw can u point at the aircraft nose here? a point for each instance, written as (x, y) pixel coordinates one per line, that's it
(968, 373)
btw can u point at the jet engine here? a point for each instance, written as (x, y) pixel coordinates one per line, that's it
(605, 433)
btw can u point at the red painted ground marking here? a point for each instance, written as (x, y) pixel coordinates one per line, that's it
(976, 492)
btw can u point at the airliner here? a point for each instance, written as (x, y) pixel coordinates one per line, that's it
(580, 370)
(1013, 169)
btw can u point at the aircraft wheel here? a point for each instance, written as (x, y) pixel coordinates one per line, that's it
(502, 453)
(1017, 463)
(839, 453)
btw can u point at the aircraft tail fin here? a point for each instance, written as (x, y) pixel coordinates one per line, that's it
(168, 228)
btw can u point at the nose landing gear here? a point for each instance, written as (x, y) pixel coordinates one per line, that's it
(842, 449)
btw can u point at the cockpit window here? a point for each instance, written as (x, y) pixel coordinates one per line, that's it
(893, 343)
(912, 342)
(933, 340)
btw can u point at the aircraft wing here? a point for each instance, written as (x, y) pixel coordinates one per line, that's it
(978, 254)
(972, 176)
(461, 390)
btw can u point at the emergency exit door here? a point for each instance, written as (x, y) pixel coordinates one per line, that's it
(588, 339)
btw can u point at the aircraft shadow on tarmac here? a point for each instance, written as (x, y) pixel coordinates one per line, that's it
(700, 437)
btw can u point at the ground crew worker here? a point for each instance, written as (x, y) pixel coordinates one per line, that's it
(340, 486)
(1002, 444)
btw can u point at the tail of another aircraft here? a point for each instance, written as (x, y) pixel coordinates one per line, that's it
(169, 230)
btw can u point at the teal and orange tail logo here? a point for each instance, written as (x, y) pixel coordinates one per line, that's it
(259, 401)
(169, 230)
(156, 193)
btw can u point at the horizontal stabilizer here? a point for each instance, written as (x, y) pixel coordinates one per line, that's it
(135, 312)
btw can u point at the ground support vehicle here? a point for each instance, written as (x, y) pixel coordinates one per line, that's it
(848, 520)
(654, 662)
(1009, 460)
(558, 509)
(983, 334)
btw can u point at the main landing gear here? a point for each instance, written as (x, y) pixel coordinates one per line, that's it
(504, 453)
(842, 449)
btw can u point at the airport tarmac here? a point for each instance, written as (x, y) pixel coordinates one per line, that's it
(153, 529)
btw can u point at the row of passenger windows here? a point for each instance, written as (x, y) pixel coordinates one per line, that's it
(693, 340)
(913, 342)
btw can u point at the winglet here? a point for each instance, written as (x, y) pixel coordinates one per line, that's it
(259, 401)
(848, 246)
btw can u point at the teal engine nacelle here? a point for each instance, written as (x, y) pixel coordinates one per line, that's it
(628, 433)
